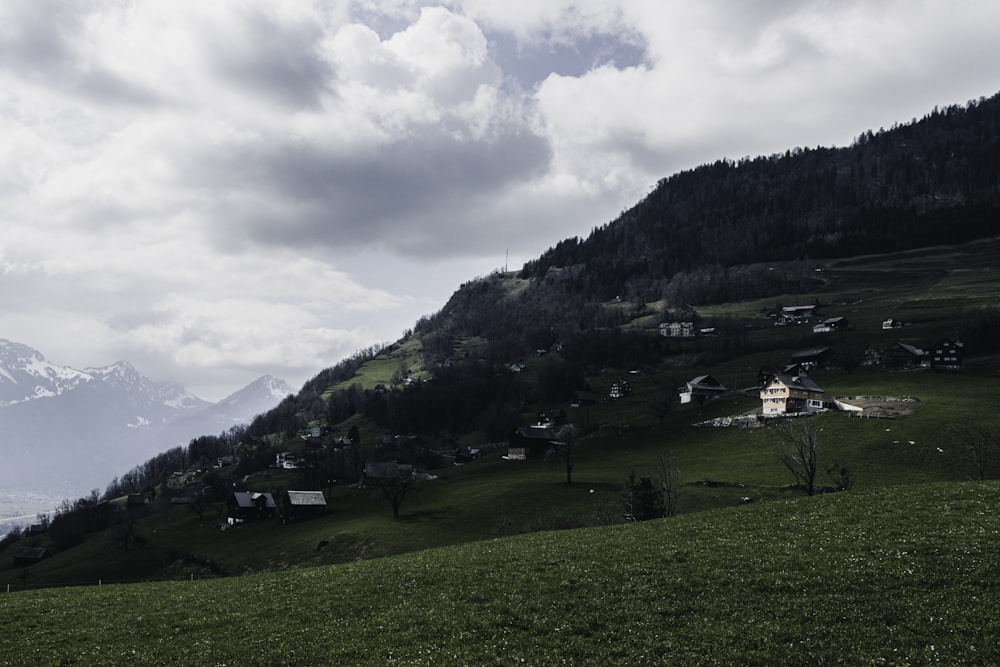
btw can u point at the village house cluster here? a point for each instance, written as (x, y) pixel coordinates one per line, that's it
(789, 389)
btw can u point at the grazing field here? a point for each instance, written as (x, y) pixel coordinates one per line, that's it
(719, 467)
(900, 576)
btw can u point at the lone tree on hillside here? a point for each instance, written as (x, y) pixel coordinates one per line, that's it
(668, 475)
(642, 499)
(662, 404)
(653, 497)
(797, 451)
(979, 449)
(393, 480)
(565, 448)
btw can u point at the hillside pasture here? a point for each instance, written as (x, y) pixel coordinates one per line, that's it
(891, 576)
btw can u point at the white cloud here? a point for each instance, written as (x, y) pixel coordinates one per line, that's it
(212, 190)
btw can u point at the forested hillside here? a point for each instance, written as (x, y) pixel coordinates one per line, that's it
(736, 230)
(934, 180)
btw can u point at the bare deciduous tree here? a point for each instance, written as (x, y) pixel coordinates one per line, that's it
(566, 448)
(668, 474)
(979, 449)
(653, 497)
(797, 451)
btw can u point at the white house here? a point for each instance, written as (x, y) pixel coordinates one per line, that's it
(677, 329)
(788, 394)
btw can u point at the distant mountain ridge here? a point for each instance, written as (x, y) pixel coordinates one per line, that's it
(66, 431)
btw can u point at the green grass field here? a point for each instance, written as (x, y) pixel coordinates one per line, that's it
(898, 575)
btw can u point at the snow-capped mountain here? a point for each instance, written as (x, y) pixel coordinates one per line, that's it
(25, 375)
(67, 431)
(238, 408)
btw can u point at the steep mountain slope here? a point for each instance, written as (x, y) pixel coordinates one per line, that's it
(238, 408)
(724, 232)
(890, 190)
(746, 229)
(68, 431)
(25, 375)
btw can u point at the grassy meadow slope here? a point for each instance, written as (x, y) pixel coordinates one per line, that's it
(896, 575)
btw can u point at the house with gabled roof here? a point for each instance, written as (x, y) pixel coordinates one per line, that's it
(816, 357)
(794, 315)
(677, 329)
(831, 324)
(250, 506)
(701, 387)
(902, 355)
(527, 442)
(791, 394)
(620, 389)
(946, 355)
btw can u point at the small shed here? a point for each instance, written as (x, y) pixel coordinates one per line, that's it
(30, 555)
(302, 505)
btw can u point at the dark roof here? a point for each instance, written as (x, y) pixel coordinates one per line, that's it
(532, 433)
(31, 553)
(705, 382)
(800, 381)
(811, 353)
(910, 349)
(307, 498)
(249, 500)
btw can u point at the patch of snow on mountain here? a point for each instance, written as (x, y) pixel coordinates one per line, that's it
(140, 422)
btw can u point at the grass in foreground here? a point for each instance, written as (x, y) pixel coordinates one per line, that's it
(903, 575)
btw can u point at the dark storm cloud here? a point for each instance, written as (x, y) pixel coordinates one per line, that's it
(276, 61)
(33, 37)
(41, 41)
(416, 192)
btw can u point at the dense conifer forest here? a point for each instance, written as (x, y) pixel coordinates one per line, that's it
(698, 235)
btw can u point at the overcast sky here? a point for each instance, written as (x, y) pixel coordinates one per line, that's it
(216, 190)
